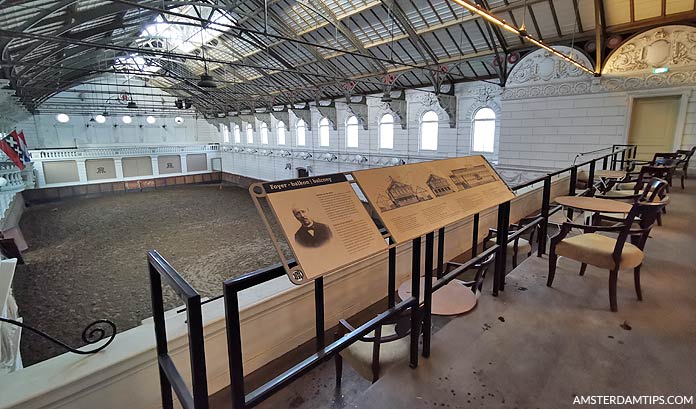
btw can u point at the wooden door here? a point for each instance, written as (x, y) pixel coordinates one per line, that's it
(653, 122)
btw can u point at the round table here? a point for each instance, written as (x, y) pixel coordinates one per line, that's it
(594, 204)
(452, 299)
(610, 174)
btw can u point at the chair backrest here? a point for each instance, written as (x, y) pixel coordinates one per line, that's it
(665, 158)
(649, 213)
(685, 156)
(654, 190)
(655, 171)
(481, 269)
(625, 232)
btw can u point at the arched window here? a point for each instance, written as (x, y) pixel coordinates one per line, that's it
(264, 133)
(483, 139)
(301, 133)
(428, 137)
(352, 132)
(237, 134)
(386, 132)
(281, 133)
(250, 134)
(324, 132)
(225, 133)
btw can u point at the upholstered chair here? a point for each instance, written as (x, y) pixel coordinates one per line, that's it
(614, 254)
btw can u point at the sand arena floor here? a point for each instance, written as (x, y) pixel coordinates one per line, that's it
(87, 256)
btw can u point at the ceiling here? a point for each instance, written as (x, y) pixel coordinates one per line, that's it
(273, 52)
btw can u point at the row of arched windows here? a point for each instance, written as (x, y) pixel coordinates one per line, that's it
(483, 132)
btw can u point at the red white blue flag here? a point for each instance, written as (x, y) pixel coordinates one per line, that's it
(12, 149)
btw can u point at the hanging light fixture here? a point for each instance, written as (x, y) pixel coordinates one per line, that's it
(206, 79)
(100, 118)
(521, 32)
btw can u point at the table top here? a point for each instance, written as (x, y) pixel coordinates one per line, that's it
(453, 299)
(610, 174)
(594, 204)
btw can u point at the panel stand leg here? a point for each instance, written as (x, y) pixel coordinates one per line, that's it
(428, 293)
(415, 292)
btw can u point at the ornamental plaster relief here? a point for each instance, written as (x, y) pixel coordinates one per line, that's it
(628, 68)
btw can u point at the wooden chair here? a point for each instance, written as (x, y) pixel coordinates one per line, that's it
(665, 158)
(387, 344)
(519, 244)
(606, 252)
(683, 164)
(476, 283)
(655, 189)
(390, 342)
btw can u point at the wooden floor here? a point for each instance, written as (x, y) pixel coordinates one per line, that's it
(540, 347)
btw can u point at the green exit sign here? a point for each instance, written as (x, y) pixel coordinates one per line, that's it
(660, 70)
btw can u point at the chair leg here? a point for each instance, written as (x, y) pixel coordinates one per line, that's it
(339, 369)
(659, 219)
(553, 258)
(583, 267)
(613, 278)
(682, 181)
(514, 260)
(636, 280)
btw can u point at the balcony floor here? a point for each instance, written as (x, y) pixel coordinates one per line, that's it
(539, 347)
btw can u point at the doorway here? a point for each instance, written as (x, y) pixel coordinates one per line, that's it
(302, 173)
(653, 125)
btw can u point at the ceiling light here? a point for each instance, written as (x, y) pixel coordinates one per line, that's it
(151, 119)
(100, 118)
(477, 9)
(127, 119)
(179, 120)
(207, 81)
(62, 118)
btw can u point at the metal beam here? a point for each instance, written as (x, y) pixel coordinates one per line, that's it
(418, 42)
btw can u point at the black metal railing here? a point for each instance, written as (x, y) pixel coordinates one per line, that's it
(93, 333)
(170, 378)
(618, 156)
(241, 399)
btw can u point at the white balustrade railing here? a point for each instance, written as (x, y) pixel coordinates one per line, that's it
(12, 182)
(116, 151)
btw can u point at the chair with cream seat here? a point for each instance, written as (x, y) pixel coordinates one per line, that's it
(603, 251)
(683, 164)
(519, 244)
(387, 344)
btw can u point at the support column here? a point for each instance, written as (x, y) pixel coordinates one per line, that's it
(81, 170)
(155, 166)
(184, 170)
(118, 163)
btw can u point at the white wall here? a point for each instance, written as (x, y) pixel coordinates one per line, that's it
(44, 132)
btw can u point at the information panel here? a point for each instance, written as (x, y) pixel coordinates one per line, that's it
(415, 199)
(326, 225)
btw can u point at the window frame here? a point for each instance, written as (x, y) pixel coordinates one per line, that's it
(381, 123)
(473, 129)
(225, 133)
(249, 133)
(300, 124)
(357, 132)
(264, 133)
(324, 132)
(237, 134)
(281, 126)
(423, 121)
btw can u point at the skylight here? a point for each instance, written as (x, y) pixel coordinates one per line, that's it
(178, 34)
(184, 34)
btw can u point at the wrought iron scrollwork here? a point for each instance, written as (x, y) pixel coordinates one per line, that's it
(93, 333)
